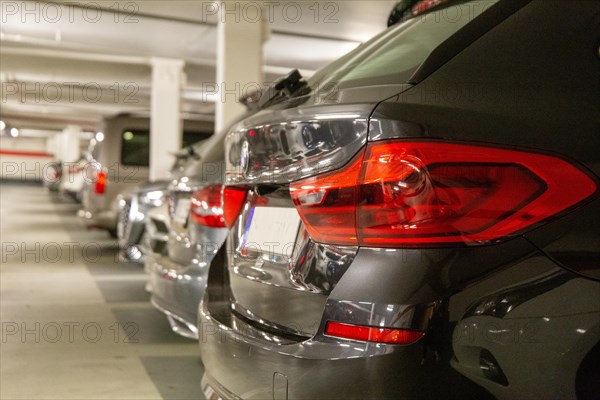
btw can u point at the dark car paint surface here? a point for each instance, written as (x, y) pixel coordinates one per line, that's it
(515, 319)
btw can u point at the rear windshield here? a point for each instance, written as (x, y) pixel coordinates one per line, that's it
(395, 54)
(135, 145)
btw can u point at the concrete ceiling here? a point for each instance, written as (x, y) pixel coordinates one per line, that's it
(76, 62)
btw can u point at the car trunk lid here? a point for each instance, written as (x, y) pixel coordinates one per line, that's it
(279, 278)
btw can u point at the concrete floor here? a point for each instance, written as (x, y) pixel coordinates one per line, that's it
(76, 323)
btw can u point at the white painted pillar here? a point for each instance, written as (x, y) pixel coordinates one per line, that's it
(165, 119)
(239, 61)
(69, 143)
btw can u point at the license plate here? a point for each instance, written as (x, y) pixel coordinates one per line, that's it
(272, 230)
(182, 211)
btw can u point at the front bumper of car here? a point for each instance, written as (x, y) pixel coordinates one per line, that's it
(106, 219)
(131, 226)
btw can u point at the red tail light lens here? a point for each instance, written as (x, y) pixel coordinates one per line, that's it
(327, 204)
(206, 207)
(100, 185)
(233, 201)
(411, 194)
(372, 333)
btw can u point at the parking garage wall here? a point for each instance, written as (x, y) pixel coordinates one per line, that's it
(24, 159)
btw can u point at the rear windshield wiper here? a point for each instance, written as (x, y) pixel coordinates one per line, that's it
(287, 87)
(186, 152)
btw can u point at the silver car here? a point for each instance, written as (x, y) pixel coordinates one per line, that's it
(133, 211)
(135, 205)
(121, 163)
(183, 242)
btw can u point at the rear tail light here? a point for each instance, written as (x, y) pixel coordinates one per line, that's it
(425, 5)
(372, 333)
(100, 185)
(412, 194)
(233, 201)
(327, 203)
(206, 207)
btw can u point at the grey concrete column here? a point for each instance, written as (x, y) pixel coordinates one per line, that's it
(165, 120)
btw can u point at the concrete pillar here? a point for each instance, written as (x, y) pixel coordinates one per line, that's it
(69, 143)
(165, 119)
(239, 61)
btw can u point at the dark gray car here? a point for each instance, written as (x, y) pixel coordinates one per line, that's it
(424, 222)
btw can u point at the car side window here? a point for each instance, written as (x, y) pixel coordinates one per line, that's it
(135, 147)
(191, 137)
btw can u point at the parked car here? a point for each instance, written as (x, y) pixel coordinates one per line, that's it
(156, 236)
(134, 206)
(123, 160)
(433, 231)
(403, 10)
(185, 236)
(52, 176)
(74, 176)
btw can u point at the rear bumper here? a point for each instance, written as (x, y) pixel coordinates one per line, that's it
(242, 362)
(177, 290)
(537, 342)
